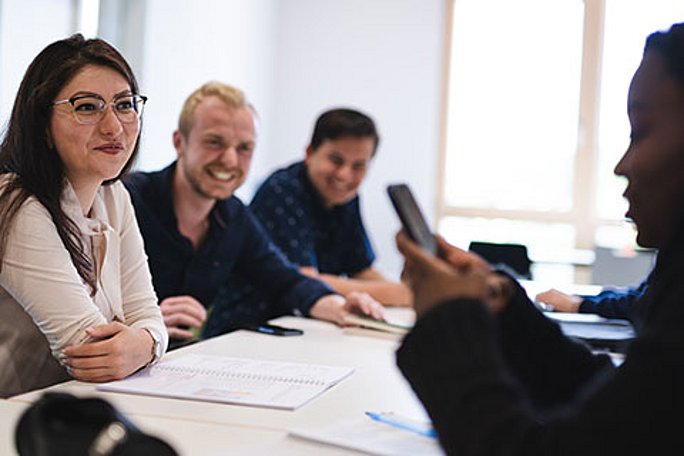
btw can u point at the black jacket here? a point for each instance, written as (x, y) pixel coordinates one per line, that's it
(512, 384)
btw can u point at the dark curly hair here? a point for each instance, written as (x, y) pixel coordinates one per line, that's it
(670, 45)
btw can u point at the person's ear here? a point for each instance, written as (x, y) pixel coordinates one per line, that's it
(178, 142)
(309, 151)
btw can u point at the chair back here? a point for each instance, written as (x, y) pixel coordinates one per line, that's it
(509, 256)
(613, 268)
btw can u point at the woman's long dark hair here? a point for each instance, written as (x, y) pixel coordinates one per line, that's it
(27, 159)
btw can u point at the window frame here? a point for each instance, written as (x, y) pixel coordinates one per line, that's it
(582, 216)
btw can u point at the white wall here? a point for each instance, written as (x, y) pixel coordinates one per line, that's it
(189, 43)
(26, 27)
(294, 59)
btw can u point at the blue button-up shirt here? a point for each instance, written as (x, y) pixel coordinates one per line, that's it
(334, 240)
(236, 249)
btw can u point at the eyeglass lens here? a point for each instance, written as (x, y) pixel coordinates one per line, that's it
(89, 110)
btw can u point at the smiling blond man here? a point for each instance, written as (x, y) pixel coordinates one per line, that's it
(201, 239)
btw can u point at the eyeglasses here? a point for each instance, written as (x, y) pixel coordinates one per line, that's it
(89, 109)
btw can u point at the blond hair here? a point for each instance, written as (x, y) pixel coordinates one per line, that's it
(231, 96)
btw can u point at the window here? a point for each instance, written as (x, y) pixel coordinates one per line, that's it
(536, 121)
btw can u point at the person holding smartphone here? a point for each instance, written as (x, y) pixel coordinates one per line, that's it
(499, 378)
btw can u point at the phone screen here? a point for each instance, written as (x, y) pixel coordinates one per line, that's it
(411, 217)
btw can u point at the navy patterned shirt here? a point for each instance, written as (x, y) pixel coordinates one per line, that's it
(236, 251)
(334, 241)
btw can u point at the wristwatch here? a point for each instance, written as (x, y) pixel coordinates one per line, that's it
(156, 347)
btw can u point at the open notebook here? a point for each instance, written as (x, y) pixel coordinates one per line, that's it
(258, 383)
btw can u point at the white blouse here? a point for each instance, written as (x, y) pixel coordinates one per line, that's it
(45, 306)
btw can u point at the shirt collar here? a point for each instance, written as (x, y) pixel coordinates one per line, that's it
(95, 222)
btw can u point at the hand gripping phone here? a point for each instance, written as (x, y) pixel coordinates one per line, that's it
(411, 217)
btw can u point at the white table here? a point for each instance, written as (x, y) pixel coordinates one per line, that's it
(10, 412)
(211, 428)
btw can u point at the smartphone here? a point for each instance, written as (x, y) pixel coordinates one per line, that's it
(274, 330)
(411, 217)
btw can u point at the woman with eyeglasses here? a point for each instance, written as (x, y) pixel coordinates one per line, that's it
(76, 297)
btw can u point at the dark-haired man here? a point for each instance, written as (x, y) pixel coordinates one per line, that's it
(310, 209)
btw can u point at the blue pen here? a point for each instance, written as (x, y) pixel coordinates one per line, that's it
(399, 424)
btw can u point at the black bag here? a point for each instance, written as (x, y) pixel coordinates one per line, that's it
(60, 424)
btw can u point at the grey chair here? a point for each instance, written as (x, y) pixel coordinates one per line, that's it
(512, 257)
(611, 268)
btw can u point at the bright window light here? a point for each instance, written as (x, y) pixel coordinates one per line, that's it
(513, 105)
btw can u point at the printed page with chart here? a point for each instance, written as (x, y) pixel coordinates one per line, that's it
(241, 381)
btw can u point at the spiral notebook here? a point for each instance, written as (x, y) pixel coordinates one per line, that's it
(241, 381)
